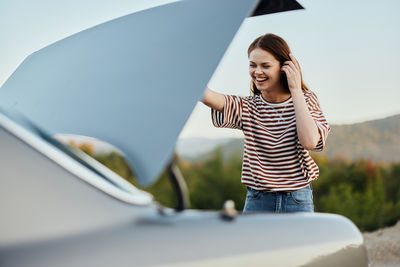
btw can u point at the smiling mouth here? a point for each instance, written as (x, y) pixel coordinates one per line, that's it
(261, 80)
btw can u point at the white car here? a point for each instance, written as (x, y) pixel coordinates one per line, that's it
(133, 82)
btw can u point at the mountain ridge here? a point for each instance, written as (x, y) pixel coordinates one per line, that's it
(377, 140)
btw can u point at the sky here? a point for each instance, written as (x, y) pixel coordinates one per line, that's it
(348, 50)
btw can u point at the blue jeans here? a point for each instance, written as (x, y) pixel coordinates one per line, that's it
(279, 202)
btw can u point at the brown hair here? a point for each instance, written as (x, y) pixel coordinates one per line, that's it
(279, 49)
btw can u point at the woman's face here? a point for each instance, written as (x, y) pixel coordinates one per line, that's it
(264, 69)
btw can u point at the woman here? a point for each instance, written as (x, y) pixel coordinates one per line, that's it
(281, 122)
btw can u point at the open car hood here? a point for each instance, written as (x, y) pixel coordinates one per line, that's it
(131, 82)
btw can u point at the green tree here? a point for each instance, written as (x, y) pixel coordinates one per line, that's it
(366, 192)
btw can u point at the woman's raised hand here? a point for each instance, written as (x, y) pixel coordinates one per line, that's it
(293, 74)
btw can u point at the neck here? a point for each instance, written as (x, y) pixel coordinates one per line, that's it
(276, 95)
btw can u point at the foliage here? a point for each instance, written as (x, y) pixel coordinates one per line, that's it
(214, 181)
(365, 191)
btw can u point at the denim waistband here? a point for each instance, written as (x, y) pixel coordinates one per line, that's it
(309, 186)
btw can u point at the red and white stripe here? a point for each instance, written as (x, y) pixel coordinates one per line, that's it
(273, 158)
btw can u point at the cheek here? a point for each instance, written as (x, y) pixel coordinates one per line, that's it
(275, 73)
(251, 71)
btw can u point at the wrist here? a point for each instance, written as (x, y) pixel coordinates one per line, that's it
(297, 91)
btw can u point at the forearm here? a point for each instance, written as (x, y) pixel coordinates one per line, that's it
(307, 130)
(213, 99)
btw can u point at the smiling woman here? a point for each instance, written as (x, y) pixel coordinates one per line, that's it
(279, 53)
(281, 121)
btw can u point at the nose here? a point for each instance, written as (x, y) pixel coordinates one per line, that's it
(258, 71)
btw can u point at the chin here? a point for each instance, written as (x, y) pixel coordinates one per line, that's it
(263, 88)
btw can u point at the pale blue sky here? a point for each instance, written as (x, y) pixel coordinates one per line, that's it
(348, 50)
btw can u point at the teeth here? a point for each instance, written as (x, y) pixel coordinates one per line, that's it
(261, 80)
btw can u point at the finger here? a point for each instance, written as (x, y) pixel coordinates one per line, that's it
(287, 70)
(291, 65)
(284, 70)
(295, 61)
(290, 68)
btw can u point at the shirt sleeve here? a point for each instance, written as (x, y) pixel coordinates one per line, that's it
(320, 120)
(231, 116)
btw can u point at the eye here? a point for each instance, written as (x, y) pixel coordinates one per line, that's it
(266, 66)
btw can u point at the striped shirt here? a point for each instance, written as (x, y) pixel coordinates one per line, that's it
(273, 158)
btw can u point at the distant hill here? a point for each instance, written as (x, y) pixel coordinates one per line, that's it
(378, 140)
(197, 149)
(193, 147)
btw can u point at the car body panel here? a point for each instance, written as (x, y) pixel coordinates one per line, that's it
(53, 216)
(43, 192)
(60, 208)
(167, 53)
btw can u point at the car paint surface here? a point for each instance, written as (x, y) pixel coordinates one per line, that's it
(59, 208)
